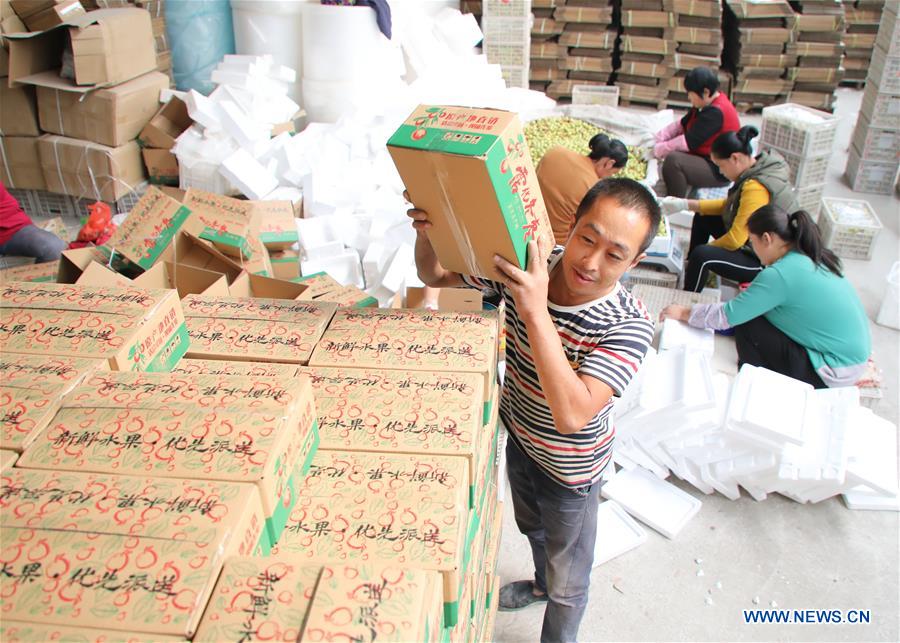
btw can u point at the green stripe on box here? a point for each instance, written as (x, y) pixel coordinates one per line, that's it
(300, 280)
(172, 351)
(451, 615)
(287, 260)
(228, 239)
(445, 634)
(276, 522)
(42, 279)
(263, 273)
(164, 179)
(278, 237)
(486, 414)
(509, 202)
(264, 545)
(447, 141)
(314, 436)
(364, 303)
(164, 238)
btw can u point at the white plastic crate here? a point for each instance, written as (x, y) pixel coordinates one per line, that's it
(885, 71)
(27, 201)
(506, 8)
(849, 227)
(864, 175)
(882, 110)
(52, 204)
(876, 143)
(204, 176)
(595, 95)
(516, 76)
(651, 277)
(507, 55)
(809, 198)
(507, 31)
(803, 170)
(797, 129)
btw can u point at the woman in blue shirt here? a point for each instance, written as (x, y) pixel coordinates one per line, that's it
(800, 316)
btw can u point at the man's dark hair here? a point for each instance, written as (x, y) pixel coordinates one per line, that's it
(629, 194)
(700, 78)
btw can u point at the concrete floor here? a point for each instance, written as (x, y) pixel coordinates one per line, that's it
(777, 552)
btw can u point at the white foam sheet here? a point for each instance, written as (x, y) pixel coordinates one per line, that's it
(617, 533)
(872, 451)
(774, 407)
(656, 503)
(675, 333)
(861, 497)
(343, 268)
(248, 175)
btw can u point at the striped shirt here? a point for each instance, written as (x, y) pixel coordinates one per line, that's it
(606, 338)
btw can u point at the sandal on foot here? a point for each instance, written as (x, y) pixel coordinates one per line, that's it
(519, 595)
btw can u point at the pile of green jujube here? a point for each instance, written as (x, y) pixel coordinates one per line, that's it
(574, 134)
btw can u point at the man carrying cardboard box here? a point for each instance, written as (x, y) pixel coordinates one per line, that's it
(576, 339)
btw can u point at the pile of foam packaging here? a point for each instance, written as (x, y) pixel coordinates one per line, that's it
(355, 225)
(758, 431)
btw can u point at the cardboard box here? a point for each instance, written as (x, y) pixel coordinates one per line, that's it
(470, 169)
(90, 170)
(189, 250)
(39, 272)
(111, 116)
(428, 477)
(277, 227)
(392, 600)
(261, 287)
(109, 46)
(72, 263)
(187, 280)
(24, 632)
(350, 296)
(409, 535)
(54, 16)
(285, 264)
(413, 412)
(131, 329)
(226, 222)
(20, 163)
(148, 229)
(162, 166)
(19, 116)
(32, 392)
(128, 583)
(413, 340)
(166, 125)
(56, 225)
(259, 264)
(7, 459)
(249, 369)
(229, 445)
(226, 514)
(318, 284)
(275, 330)
(449, 299)
(259, 596)
(26, 8)
(97, 274)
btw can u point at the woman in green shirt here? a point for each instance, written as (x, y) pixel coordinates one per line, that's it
(800, 316)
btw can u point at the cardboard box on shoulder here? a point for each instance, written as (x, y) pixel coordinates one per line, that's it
(130, 328)
(39, 272)
(129, 583)
(471, 171)
(88, 170)
(32, 390)
(109, 46)
(20, 163)
(276, 330)
(226, 514)
(110, 116)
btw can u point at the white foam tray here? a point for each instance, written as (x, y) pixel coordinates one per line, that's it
(617, 532)
(656, 503)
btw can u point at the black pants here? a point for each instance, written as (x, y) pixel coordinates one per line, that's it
(737, 265)
(759, 343)
(681, 171)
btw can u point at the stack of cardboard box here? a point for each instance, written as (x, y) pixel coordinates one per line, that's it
(545, 30)
(506, 25)
(698, 43)
(157, 11)
(757, 36)
(646, 50)
(862, 18)
(92, 116)
(874, 155)
(587, 44)
(818, 43)
(39, 15)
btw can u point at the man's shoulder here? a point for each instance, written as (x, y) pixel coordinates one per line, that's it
(620, 308)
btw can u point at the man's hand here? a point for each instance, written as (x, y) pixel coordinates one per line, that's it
(419, 217)
(673, 311)
(529, 288)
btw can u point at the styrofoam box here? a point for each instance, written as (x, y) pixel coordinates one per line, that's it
(617, 532)
(877, 177)
(656, 503)
(876, 143)
(863, 498)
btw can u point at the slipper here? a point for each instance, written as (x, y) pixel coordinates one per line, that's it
(518, 595)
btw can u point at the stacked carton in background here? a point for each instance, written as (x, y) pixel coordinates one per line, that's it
(874, 154)
(646, 47)
(545, 30)
(757, 36)
(818, 44)
(507, 38)
(862, 19)
(587, 44)
(698, 43)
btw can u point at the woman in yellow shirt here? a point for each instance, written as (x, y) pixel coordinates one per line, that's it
(758, 181)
